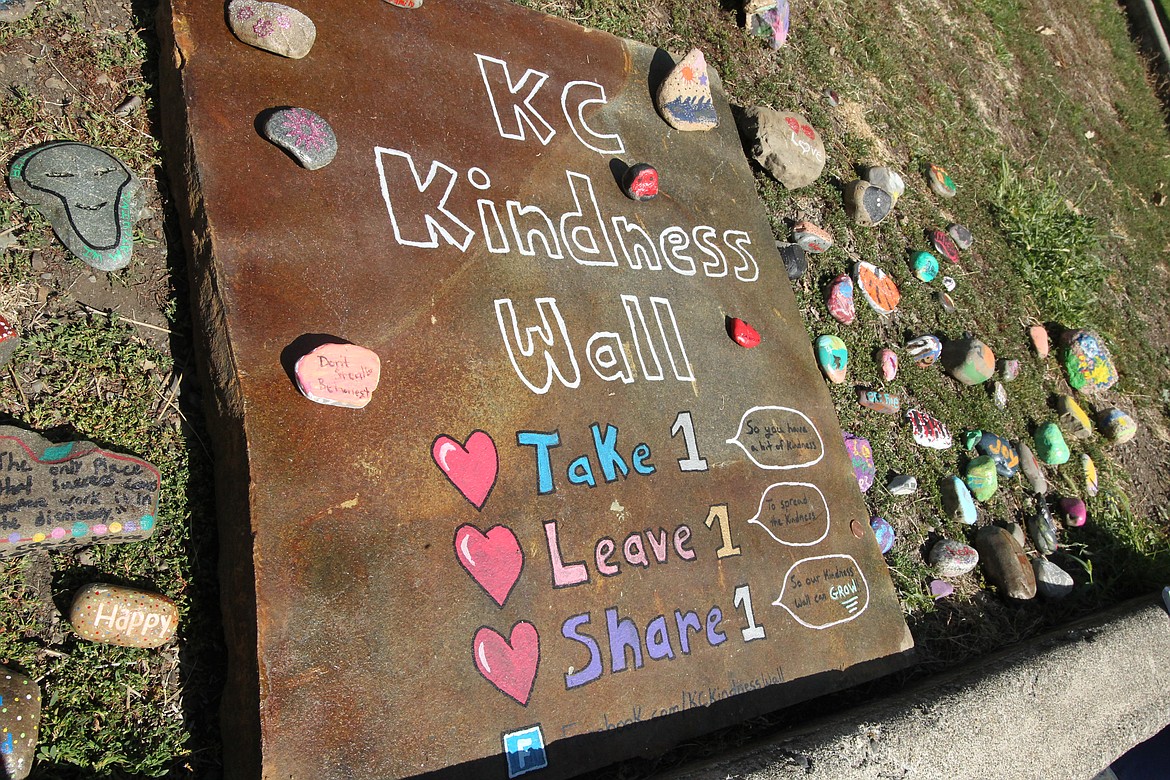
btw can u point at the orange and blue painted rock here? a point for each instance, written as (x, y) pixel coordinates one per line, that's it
(684, 98)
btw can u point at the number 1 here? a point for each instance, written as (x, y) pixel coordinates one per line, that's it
(743, 597)
(727, 549)
(692, 462)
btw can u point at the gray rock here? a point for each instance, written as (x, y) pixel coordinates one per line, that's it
(272, 27)
(20, 718)
(784, 143)
(1042, 528)
(91, 199)
(961, 235)
(1017, 532)
(953, 559)
(1005, 563)
(15, 10)
(304, 135)
(887, 179)
(866, 204)
(903, 485)
(1052, 582)
(1032, 469)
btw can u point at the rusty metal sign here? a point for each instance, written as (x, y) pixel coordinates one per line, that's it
(575, 518)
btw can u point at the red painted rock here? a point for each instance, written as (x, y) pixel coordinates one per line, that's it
(9, 341)
(640, 182)
(339, 375)
(944, 244)
(840, 300)
(744, 334)
(1039, 337)
(128, 617)
(888, 362)
(406, 3)
(812, 238)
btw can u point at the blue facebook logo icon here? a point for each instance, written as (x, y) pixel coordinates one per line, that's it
(525, 751)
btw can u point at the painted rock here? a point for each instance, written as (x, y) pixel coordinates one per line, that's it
(1017, 532)
(812, 238)
(343, 375)
(1073, 418)
(1009, 369)
(940, 589)
(1005, 563)
(982, 478)
(884, 533)
(1087, 360)
(861, 458)
(795, 260)
(89, 197)
(768, 19)
(20, 719)
(46, 483)
(903, 485)
(940, 181)
(943, 244)
(304, 135)
(886, 403)
(1090, 470)
(1042, 528)
(953, 559)
(969, 360)
(1050, 445)
(949, 283)
(1116, 426)
(1052, 582)
(887, 361)
(925, 350)
(744, 334)
(640, 182)
(114, 615)
(1074, 511)
(1038, 335)
(840, 300)
(999, 394)
(832, 98)
(957, 500)
(9, 341)
(406, 3)
(15, 10)
(684, 97)
(866, 204)
(946, 302)
(928, 431)
(1000, 450)
(833, 358)
(887, 179)
(961, 235)
(879, 289)
(784, 144)
(925, 266)
(1033, 471)
(272, 27)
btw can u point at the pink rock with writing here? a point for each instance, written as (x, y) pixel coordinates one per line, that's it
(339, 375)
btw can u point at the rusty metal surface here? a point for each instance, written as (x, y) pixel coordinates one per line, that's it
(367, 612)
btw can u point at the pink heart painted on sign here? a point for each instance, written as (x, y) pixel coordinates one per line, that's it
(470, 467)
(510, 664)
(494, 559)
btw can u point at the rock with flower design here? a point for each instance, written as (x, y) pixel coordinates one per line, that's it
(1089, 364)
(304, 135)
(272, 27)
(684, 97)
(20, 720)
(840, 300)
(784, 143)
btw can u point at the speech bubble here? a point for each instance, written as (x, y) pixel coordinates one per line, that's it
(824, 591)
(776, 437)
(793, 510)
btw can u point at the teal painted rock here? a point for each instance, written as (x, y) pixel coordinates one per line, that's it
(981, 478)
(969, 360)
(1050, 445)
(1116, 426)
(957, 500)
(20, 717)
(925, 266)
(1087, 360)
(971, 438)
(1042, 528)
(833, 358)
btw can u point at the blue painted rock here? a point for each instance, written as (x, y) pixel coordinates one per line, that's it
(1116, 426)
(925, 350)
(1052, 582)
(812, 238)
(1087, 360)
(961, 235)
(861, 458)
(887, 361)
(928, 430)
(885, 403)
(840, 300)
(957, 501)
(884, 533)
(953, 559)
(902, 485)
(272, 27)
(940, 181)
(943, 244)
(949, 283)
(1000, 450)
(946, 302)
(981, 478)
(20, 719)
(1050, 445)
(1009, 369)
(925, 266)
(89, 197)
(795, 259)
(999, 395)
(880, 291)
(640, 182)
(306, 136)
(940, 589)
(684, 97)
(1033, 471)
(866, 204)
(784, 144)
(1073, 418)
(1074, 510)
(1042, 528)
(969, 360)
(1090, 470)
(1005, 563)
(833, 358)
(886, 178)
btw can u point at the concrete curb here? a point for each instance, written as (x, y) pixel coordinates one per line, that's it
(1062, 706)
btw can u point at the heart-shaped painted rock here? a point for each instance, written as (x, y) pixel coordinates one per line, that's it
(343, 375)
(840, 300)
(494, 560)
(878, 288)
(470, 467)
(509, 664)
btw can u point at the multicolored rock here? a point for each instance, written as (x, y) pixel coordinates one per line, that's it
(640, 182)
(684, 97)
(884, 533)
(866, 204)
(1009, 369)
(272, 27)
(887, 179)
(1042, 528)
(902, 485)
(885, 403)
(943, 244)
(940, 181)
(812, 238)
(20, 720)
(1116, 426)
(957, 500)
(1050, 445)
(1052, 582)
(1007, 460)
(928, 431)
(1074, 510)
(305, 135)
(952, 558)
(1074, 419)
(961, 235)
(744, 334)
(344, 375)
(840, 300)
(1087, 360)
(1005, 563)
(1090, 470)
(1033, 471)
(128, 617)
(833, 358)
(9, 341)
(879, 289)
(861, 458)
(887, 361)
(1038, 335)
(969, 360)
(925, 266)
(768, 19)
(784, 144)
(981, 478)
(925, 350)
